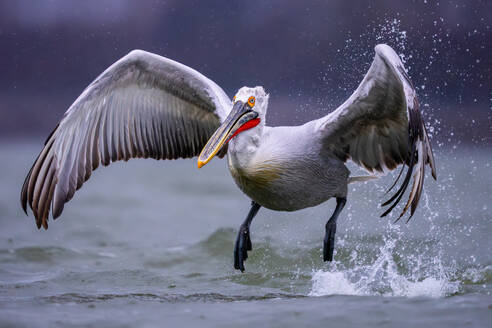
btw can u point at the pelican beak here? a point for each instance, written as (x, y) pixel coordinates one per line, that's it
(241, 118)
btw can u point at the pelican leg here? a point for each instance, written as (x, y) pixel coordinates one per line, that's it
(331, 229)
(243, 240)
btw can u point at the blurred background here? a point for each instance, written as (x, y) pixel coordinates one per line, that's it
(309, 55)
(147, 242)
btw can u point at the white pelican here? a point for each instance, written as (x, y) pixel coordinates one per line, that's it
(145, 105)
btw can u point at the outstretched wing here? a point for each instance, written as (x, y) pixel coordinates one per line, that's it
(380, 126)
(144, 105)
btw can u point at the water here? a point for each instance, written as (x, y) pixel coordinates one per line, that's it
(149, 243)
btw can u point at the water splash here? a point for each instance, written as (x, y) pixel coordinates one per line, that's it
(387, 274)
(332, 283)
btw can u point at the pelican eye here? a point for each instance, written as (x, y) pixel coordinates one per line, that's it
(251, 101)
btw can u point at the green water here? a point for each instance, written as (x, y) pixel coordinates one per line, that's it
(149, 243)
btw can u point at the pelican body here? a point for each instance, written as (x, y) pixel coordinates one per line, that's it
(145, 105)
(288, 170)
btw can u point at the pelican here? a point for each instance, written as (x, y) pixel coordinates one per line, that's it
(148, 106)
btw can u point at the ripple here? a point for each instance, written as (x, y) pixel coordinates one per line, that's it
(37, 254)
(80, 298)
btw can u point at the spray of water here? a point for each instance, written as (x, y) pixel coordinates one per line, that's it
(427, 277)
(394, 270)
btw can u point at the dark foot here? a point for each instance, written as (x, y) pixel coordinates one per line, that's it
(243, 245)
(329, 241)
(331, 229)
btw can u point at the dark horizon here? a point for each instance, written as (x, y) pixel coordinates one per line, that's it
(309, 56)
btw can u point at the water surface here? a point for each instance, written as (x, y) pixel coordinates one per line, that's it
(149, 243)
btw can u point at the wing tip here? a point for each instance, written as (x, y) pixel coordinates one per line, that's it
(381, 47)
(136, 54)
(24, 190)
(24, 204)
(388, 53)
(417, 170)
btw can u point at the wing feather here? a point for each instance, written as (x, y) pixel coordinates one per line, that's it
(143, 106)
(380, 126)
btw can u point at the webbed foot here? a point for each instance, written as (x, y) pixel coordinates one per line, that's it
(331, 229)
(243, 245)
(329, 241)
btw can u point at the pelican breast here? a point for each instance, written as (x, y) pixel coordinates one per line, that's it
(258, 174)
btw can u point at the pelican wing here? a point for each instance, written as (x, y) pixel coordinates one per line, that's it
(145, 106)
(380, 126)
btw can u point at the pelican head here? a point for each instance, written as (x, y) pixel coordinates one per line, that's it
(248, 110)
